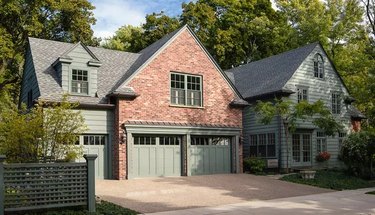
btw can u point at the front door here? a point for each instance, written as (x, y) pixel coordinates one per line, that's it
(301, 149)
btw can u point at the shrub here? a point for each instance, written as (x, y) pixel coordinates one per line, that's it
(323, 156)
(357, 153)
(254, 165)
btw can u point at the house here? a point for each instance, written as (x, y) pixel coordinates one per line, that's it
(168, 110)
(305, 73)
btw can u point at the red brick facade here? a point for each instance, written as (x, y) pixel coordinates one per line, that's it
(152, 84)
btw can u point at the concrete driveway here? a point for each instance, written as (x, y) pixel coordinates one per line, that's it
(346, 202)
(166, 194)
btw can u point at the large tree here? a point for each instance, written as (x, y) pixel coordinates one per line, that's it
(234, 32)
(135, 38)
(339, 26)
(60, 20)
(237, 32)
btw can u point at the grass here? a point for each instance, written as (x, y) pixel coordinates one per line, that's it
(102, 208)
(331, 179)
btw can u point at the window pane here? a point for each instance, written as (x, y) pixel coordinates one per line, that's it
(296, 147)
(253, 146)
(188, 93)
(271, 145)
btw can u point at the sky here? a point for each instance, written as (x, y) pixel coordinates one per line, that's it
(112, 14)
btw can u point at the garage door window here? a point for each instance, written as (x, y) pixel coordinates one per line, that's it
(205, 141)
(94, 140)
(170, 140)
(144, 140)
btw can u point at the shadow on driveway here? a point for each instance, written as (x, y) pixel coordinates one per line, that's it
(176, 193)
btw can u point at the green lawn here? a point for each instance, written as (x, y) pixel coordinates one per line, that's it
(102, 208)
(331, 179)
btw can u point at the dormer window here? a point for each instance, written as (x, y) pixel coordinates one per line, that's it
(318, 66)
(80, 83)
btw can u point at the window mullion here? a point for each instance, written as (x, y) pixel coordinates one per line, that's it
(185, 89)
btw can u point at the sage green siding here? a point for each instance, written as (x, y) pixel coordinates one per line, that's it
(29, 80)
(100, 122)
(317, 89)
(320, 89)
(80, 61)
(252, 126)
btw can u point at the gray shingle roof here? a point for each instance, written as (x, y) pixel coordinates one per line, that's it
(117, 67)
(268, 75)
(45, 52)
(145, 54)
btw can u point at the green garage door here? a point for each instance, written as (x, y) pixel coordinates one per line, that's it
(97, 144)
(155, 156)
(209, 155)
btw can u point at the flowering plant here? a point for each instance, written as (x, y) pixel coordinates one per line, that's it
(323, 156)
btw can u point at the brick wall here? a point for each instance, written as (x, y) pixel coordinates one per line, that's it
(153, 86)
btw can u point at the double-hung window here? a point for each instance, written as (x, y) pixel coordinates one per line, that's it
(336, 103)
(186, 89)
(302, 94)
(80, 83)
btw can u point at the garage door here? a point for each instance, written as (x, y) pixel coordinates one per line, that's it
(209, 155)
(97, 144)
(156, 156)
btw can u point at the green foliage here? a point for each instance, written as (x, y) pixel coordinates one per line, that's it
(254, 165)
(237, 32)
(331, 179)
(67, 21)
(339, 26)
(291, 114)
(45, 133)
(133, 39)
(357, 152)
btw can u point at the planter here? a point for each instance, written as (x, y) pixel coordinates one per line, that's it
(307, 174)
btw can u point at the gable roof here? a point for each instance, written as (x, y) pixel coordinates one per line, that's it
(117, 67)
(150, 52)
(46, 52)
(268, 75)
(145, 55)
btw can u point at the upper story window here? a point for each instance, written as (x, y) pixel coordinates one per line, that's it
(302, 94)
(80, 83)
(186, 89)
(318, 66)
(336, 103)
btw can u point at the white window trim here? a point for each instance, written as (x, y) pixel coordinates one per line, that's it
(71, 80)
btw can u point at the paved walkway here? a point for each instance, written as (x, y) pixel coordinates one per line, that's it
(343, 202)
(167, 194)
